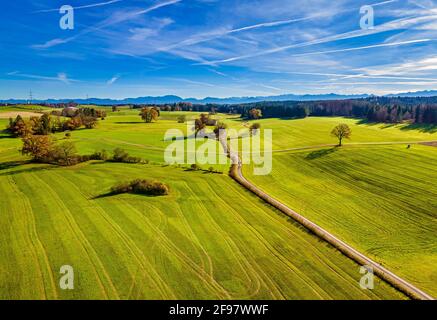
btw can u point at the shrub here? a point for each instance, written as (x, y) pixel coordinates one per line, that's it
(89, 122)
(120, 155)
(133, 160)
(64, 154)
(182, 119)
(194, 166)
(99, 155)
(146, 187)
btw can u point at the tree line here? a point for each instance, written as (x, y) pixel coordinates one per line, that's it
(47, 123)
(422, 110)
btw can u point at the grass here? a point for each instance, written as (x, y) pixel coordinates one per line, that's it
(314, 131)
(380, 199)
(196, 243)
(199, 242)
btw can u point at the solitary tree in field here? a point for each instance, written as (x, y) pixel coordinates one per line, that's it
(341, 132)
(255, 113)
(149, 114)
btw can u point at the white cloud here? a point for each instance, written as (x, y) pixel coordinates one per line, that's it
(61, 76)
(112, 80)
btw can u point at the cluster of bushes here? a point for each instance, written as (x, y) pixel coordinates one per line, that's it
(146, 187)
(122, 156)
(182, 119)
(46, 124)
(196, 167)
(43, 149)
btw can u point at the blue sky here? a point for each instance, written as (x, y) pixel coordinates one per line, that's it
(199, 48)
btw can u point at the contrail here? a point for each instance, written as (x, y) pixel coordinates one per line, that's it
(388, 26)
(392, 44)
(208, 37)
(83, 7)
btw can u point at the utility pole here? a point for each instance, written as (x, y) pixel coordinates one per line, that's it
(30, 97)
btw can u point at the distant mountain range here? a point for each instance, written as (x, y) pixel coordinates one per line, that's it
(231, 100)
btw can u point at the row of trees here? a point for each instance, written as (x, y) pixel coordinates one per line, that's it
(46, 124)
(44, 149)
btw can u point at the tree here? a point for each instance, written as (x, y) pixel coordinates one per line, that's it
(204, 118)
(255, 113)
(254, 127)
(19, 128)
(219, 127)
(341, 132)
(64, 154)
(149, 114)
(72, 124)
(89, 122)
(42, 125)
(198, 125)
(38, 147)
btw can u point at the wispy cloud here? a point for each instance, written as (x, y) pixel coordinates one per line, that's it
(388, 26)
(61, 76)
(205, 37)
(100, 4)
(112, 80)
(381, 45)
(118, 17)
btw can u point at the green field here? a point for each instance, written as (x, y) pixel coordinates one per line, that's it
(380, 199)
(199, 242)
(210, 238)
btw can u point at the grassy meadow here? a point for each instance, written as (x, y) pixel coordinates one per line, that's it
(380, 199)
(210, 238)
(197, 243)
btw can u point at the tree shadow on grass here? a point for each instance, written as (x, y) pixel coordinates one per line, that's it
(112, 194)
(11, 164)
(421, 127)
(383, 125)
(24, 170)
(128, 122)
(320, 153)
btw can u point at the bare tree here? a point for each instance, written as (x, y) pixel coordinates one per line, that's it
(342, 131)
